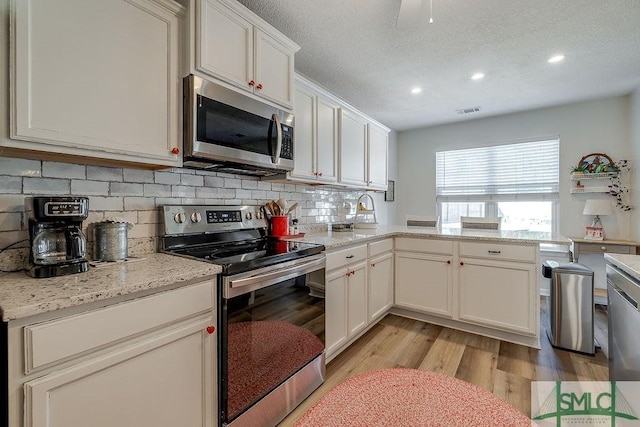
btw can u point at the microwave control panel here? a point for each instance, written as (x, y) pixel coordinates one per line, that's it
(286, 152)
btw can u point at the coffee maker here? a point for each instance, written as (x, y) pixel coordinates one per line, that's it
(57, 245)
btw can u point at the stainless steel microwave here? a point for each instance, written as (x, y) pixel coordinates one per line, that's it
(227, 131)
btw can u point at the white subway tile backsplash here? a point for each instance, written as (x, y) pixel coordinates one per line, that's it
(139, 203)
(10, 184)
(63, 170)
(249, 185)
(213, 181)
(89, 188)
(182, 191)
(192, 180)
(157, 190)
(105, 203)
(125, 189)
(19, 167)
(232, 183)
(167, 178)
(101, 173)
(11, 203)
(136, 195)
(10, 221)
(45, 186)
(138, 175)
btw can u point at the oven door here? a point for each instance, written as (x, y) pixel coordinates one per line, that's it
(222, 125)
(272, 340)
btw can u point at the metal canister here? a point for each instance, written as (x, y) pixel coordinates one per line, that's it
(111, 241)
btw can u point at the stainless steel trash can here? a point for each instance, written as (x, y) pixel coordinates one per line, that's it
(571, 306)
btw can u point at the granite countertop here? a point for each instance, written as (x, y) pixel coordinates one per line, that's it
(630, 264)
(337, 239)
(22, 296)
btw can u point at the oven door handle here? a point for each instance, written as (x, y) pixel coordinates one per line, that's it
(244, 284)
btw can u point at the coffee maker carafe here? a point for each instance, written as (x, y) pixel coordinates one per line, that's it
(57, 244)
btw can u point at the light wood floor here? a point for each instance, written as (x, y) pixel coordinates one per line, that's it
(503, 368)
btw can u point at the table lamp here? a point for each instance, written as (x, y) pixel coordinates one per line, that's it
(596, 207)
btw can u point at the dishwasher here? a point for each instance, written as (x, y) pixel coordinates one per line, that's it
(624, 322)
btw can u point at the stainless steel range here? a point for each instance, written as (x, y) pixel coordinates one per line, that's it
(270, 309)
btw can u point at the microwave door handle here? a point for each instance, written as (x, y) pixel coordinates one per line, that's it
(276, 156)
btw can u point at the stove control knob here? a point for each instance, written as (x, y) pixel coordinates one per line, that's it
(196, 217)
(249, 215)
(180, 217)
(259, 215)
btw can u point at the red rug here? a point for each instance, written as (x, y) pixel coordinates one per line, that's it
(410, 397)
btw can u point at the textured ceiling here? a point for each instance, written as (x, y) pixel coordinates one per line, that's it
(354, 49)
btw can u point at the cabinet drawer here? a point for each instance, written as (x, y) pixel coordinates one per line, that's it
(501, 251)
(603, 247)
(424, 245)
(346, 256)
(68, 337)
(380, 247)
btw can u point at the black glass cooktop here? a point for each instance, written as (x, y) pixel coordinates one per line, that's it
(240, 256)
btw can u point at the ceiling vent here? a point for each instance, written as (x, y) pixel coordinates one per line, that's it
(468, 110)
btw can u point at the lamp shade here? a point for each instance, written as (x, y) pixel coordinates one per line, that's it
(597, 207)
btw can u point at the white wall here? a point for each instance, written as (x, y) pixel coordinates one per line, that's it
(601, 125)
(635, 156)
(386, 211)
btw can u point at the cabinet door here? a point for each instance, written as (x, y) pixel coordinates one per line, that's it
(424, 283)
(377, 157)
(326, 139)
(273, 69)
(224, 44)
(97, 79)
(167, 380)
(335, 310)
(380, 285)
(498, 294)
(357, 298)
(353, 145)
(304, 134)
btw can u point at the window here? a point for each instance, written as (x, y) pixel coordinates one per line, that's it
(518, 182)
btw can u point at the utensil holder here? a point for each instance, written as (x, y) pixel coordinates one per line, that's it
(280, 225)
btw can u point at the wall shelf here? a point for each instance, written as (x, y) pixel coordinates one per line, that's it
(579, 176)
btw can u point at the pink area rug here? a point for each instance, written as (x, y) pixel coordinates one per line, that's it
(410, 397)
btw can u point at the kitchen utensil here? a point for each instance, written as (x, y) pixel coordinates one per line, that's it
(111, 239)
(283, 205)
(292, 208)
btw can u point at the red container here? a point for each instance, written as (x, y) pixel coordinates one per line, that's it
(280, 225)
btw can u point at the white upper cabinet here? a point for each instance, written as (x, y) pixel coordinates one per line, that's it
(363, 152)
(97, 79)
(315, 134)
(377, 155)
(353, 148)
(239, 48)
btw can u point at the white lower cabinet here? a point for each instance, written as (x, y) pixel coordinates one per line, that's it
(424, 282)
(160, 381)
(380, 285)
(499, 294)
(346, 297)
(147, 362)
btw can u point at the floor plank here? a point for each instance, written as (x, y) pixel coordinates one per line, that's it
(504, 368)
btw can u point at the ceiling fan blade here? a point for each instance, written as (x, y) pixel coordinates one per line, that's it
(412, 13)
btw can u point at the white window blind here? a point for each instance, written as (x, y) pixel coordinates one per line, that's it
(522, 171)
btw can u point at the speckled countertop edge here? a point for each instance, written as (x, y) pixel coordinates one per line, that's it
(630, 264)
(23, 296)
(336, 239)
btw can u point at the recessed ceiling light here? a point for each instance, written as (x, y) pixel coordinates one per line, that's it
(477, 76)
(416, 90)
(556, 58)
